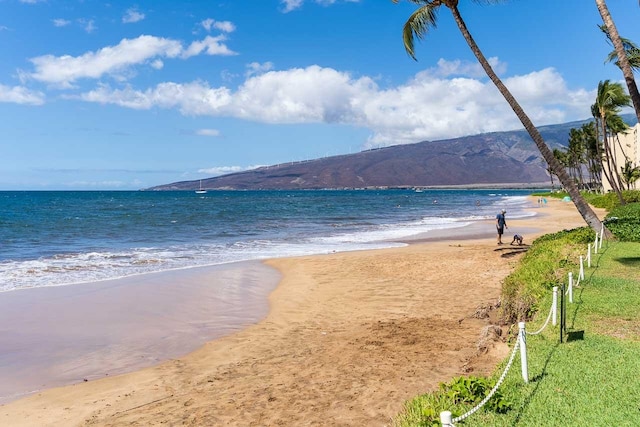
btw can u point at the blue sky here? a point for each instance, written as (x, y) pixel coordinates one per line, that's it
(127, 95)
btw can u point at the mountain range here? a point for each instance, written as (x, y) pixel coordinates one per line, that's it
(508, 158)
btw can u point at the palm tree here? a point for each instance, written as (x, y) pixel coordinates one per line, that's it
(630, 174)
(630, 48)
(594, 162)
(616, 126)
(584, 153)
(623, 60)
(609, 101)
(562, 158)
(576, 154)
(550, 172)
(419, 24)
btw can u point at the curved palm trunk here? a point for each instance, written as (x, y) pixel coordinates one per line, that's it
(625, 66)
(550, 176)
(615, 174)
(616, 164)
(581, 175)
(603, 174)
(610, 171)
(581, 205)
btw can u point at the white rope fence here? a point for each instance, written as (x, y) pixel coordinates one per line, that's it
(597, 244)
(552, 313)
(446, 417)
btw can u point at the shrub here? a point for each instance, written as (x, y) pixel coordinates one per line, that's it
(458, 396)
(472, 390)
(545, 265)
(610, 201)
(624, 222)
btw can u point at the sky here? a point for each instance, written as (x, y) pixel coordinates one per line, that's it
(126, 95)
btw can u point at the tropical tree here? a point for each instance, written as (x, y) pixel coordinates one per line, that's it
(616, 126)
(610, 99)
(583, 153)
(630, 174)
(562, 158)
(630, 48)
(623, 60)
(593, 161)
(590, 160)
(576, 155)
(550, 172)
(424, 19)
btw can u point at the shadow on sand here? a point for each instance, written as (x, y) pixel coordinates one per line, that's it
(508, 251)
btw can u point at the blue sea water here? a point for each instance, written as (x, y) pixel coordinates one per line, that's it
(60, 238)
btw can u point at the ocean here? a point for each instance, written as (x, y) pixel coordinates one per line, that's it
(72, 237)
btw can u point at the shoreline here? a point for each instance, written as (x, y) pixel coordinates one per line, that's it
(112, 343)
(63, 335)
(349, 336)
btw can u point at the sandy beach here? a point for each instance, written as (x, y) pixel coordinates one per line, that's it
(55, 336)
(348, 338)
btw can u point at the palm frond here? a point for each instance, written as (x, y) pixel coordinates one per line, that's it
(631, 49)
(418, 25)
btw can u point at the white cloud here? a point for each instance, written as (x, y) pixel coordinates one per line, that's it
(228, 76)
(89, 25)
(190, 99)
(157, 64)
(20, 95)
(207, 24)
(426, 107)
(209, 45)
(465, 68)
(208, 132)
(290, 5)
(224, 26)
(117, 60)
(257, 68)
(132, 15)
(302, 95)
(61, 22)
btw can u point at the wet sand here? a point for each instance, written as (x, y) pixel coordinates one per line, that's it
(348, 338)
(67, 334)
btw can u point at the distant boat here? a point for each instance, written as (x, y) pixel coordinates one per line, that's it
(201, 190)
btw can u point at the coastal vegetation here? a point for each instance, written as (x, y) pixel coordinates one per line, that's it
(595, 153)
(622, 220)
(584, 381)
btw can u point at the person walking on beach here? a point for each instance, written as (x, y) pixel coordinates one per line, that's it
(501, 223)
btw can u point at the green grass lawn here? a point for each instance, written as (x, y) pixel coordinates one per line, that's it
(592, 379)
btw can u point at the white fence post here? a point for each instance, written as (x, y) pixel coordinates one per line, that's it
(554, 307)
(589, 255)
(523, 352)
(601, 236)
(446, 419)
(570, 287)
(595, 245)
(581, 276)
